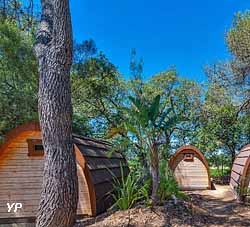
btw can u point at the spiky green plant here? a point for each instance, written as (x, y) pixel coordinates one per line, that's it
(126, 192)
(168, 185)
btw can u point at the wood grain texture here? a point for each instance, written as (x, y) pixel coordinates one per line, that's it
(191, 175)
(21, 175)
(23, 183)
(240, 174)
(100, 169)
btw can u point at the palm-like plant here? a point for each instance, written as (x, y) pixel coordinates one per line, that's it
(145, 125)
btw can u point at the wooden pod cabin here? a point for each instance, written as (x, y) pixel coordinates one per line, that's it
(240, 174)
(190, 169)
(21, 173)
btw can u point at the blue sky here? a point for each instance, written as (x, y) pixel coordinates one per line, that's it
(187, 34)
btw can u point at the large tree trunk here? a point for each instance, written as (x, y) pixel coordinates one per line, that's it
(154, 173)
(54, 52)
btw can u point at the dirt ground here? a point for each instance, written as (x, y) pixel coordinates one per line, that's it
(222, 208)
(216, 208)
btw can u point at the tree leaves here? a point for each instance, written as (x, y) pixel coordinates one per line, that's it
(146, 113)
(18, 77)
(116, 131)
(154, 109)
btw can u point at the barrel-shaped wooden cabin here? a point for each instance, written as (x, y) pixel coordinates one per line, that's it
(21, 173)
(190, 169)
(240, 174)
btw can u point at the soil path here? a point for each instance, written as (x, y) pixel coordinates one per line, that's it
(210, 208)
(221, 207)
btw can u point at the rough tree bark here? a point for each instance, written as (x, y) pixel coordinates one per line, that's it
(53, 48)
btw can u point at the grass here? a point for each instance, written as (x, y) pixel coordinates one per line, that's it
(218, 172)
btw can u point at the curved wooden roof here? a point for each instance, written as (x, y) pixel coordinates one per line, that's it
(31, 126)
(193, 149)
(188, 148)
(97, 162)
(239, 170)
(102, 166)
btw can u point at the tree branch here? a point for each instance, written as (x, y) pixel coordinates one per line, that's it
(243, 106)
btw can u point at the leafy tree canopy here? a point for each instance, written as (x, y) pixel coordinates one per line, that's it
(18, 77)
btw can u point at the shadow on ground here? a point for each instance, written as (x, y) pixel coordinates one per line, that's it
(214, 208)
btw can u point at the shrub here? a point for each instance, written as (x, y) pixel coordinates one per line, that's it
(126, 192)
(168, 185)
(218, 172)
(145, 191)
(134, 188)
(182, 195)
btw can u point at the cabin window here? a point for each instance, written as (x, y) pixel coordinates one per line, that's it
(189, 157)
(35, 147)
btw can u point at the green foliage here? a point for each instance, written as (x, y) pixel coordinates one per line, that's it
(222, 126)
(220, 164)
(80, 125)
(238, 39)
(158, 110)
(18, 77)
(145, 113)
(233, 75)
(98, 89)
(182, 195)
(245, 192)
(127, 190)
(21, 13)
(224, 119)
(242, 192)
(145, 119)
(145, 192)
(214, 172)
(168, 185)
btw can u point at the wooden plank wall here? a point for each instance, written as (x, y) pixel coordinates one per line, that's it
(191, 175)
(238, 168)
(247, 182)
(84, 205)
(103, 166)
(21, 179)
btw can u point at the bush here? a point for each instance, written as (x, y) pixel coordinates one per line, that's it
(127, 190)
(214, 172)
(182, 195)
(145, 192)
(134, 188)
(168, 185)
